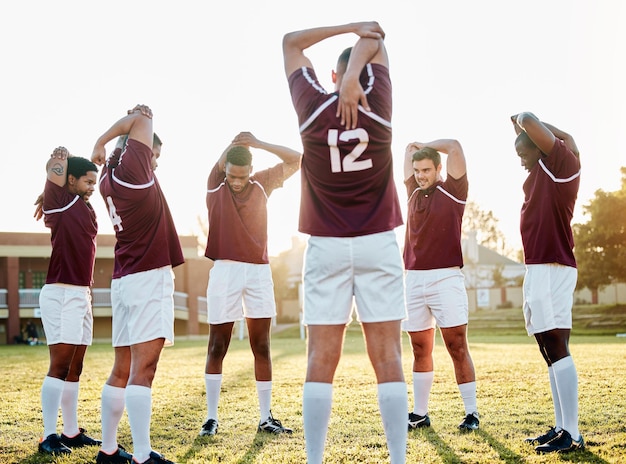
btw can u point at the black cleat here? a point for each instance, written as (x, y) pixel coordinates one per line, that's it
(272, 425)
(209, 428)
(79, 440)
(52, 445)
(563, 443)
(156, 458)
(119, 457)
(542, 439)
(416, 421)
(469, 423)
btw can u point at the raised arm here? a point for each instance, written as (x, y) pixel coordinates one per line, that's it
(294, 43)
(137, 124)
(290, 158)
(56, 172)
(56, 167)
(366, 50)
(537, 131)
(455, 162)
(456, 165)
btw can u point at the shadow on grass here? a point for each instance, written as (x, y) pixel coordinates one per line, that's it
(260, 439)
(445, 452)
(510, 457)
(506, 454)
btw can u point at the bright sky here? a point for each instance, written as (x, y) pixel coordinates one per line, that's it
(209, 70)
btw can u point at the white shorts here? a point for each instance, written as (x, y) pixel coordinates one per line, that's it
(143, 307)
(435, 297)
(237, 290)
(341, 271)
(66, 314)
(548, 297)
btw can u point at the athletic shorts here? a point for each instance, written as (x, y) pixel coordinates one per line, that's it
(237, 290)
(362, 273)
(548, 297)
(66, 314)
(435, 297)
(143, 307)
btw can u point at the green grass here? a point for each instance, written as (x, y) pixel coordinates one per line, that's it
(513, 396)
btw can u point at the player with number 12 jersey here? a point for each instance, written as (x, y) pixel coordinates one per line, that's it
(347, 184)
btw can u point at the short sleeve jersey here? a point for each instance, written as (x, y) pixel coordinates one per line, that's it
(433, 232)
(72, 222)
(346, 175)
(145, 232)
(550, 193)
(238, 221)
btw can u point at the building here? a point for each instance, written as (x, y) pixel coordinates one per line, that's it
(24, 261)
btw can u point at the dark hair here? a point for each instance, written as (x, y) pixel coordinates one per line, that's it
(156, 141)
(342, 61)
(239, 156)
(427, 153)
(78, 166)
(525, 140)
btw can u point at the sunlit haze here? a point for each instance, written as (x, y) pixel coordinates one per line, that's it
(209, 70)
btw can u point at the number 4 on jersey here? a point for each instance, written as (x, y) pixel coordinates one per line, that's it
(116, 220)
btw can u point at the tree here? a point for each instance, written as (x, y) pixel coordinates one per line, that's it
(600, 244)
(488, 233)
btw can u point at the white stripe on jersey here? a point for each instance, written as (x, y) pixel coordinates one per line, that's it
(556, 179)
(441, 189)
(131, 186)
(370, 86)
(65, 208)
(250, 181)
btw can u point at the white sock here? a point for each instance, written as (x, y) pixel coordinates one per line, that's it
(468, 394)
(139, 409)
(422, 384)
(112, 408)
(69, 408)
(317, 399)
(264, 391)
(51, 391)
(558, 416)
(567, 385)
(393, 404)
(213, 384)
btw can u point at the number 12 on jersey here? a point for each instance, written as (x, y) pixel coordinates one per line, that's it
(351, 161)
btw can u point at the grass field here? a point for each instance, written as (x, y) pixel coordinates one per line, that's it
(513, 397)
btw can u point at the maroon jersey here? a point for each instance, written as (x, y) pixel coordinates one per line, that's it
(347, 175)
(238, 221)
(550, 195)
(433, 231)
(72, 222)
(145, 232)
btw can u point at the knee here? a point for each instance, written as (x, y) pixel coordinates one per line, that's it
(217, 348)
(260, 348)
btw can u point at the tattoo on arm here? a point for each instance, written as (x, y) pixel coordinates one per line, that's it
(58, 169)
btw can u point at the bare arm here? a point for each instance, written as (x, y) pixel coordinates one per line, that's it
(56, 171)
(535, 129)
(351, 92)
(456, 165)
(408, 159)
(56, 167)
(294, 43)
(137, 124)
(290, 158)
(541, 133)
(567, 139)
